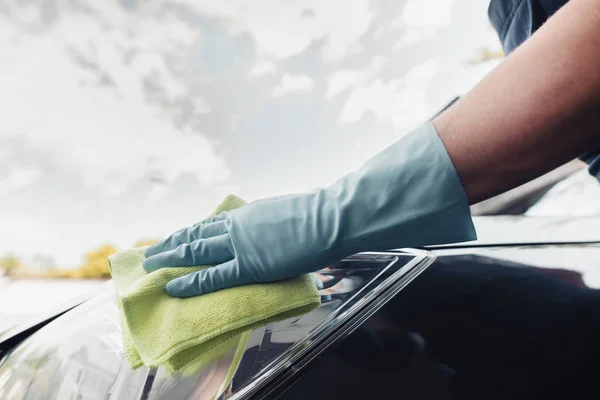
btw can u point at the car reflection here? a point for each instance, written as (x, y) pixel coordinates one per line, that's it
(473, 327)
(477, 324)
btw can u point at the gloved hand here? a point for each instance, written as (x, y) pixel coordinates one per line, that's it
(408, 195)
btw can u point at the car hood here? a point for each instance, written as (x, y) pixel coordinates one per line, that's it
(519, 230)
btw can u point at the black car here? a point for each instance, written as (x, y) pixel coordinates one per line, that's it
(515, 315)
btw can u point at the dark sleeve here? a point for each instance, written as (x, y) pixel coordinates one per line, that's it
(516, 20)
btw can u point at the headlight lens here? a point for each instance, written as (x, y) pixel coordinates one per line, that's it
(81, 353)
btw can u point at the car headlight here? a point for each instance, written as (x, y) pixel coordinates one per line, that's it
(81, 353)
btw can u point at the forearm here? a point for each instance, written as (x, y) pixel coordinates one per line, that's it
(537, 110)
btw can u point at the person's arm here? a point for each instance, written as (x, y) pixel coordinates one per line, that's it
(534, 112)
(537, 110)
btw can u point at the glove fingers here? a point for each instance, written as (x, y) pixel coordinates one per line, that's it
(187, 235)
(213, 250)
(318, 282)
(206, 281)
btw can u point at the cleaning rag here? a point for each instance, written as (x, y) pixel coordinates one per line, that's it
(159, 330)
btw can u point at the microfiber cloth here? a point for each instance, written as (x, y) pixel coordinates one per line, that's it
(159, 330)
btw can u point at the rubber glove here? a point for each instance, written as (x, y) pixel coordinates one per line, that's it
(408, 195)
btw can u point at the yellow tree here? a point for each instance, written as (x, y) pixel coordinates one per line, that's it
(145, 242)
(95, 264)
(10, 264)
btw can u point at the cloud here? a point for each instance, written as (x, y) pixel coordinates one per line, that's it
(157, 192)
(6, 153)
(401, 102)
(262, 68)
(421, 20)
(19, 177)
(293, 83)
(421, 75)
(413, 36)
(281, 29)
(106, 106)
(347, 78)
(16, 235)
(426, 13)
(344, 79)
(80, 209)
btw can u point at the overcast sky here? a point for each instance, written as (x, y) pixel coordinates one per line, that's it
(124, 120)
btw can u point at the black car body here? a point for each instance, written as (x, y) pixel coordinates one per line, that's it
(515, 315)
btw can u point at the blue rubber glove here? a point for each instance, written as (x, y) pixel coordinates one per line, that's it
(408, 195)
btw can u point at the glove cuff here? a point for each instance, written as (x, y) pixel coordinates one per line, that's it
(409, 195)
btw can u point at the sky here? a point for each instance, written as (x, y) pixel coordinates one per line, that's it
(125, 120)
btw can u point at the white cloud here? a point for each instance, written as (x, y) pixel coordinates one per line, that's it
(281, 31)
(80, 209)
(401, 102)
(376, 96)
(293, 83)
(19, 177)
(16, 235)
(413, 36)
(108, 135)
(156, 193)
(432, 13)
(378, 34)
(262, 68)
(347, 78)
(344, 79)
(421, 20)
(421, 75)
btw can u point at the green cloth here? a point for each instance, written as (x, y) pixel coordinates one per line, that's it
(159, 330)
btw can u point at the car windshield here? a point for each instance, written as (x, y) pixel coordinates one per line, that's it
(80, 355)
(574, 196)
(125, 120)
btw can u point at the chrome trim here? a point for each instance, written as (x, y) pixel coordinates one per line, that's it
(344, 320)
